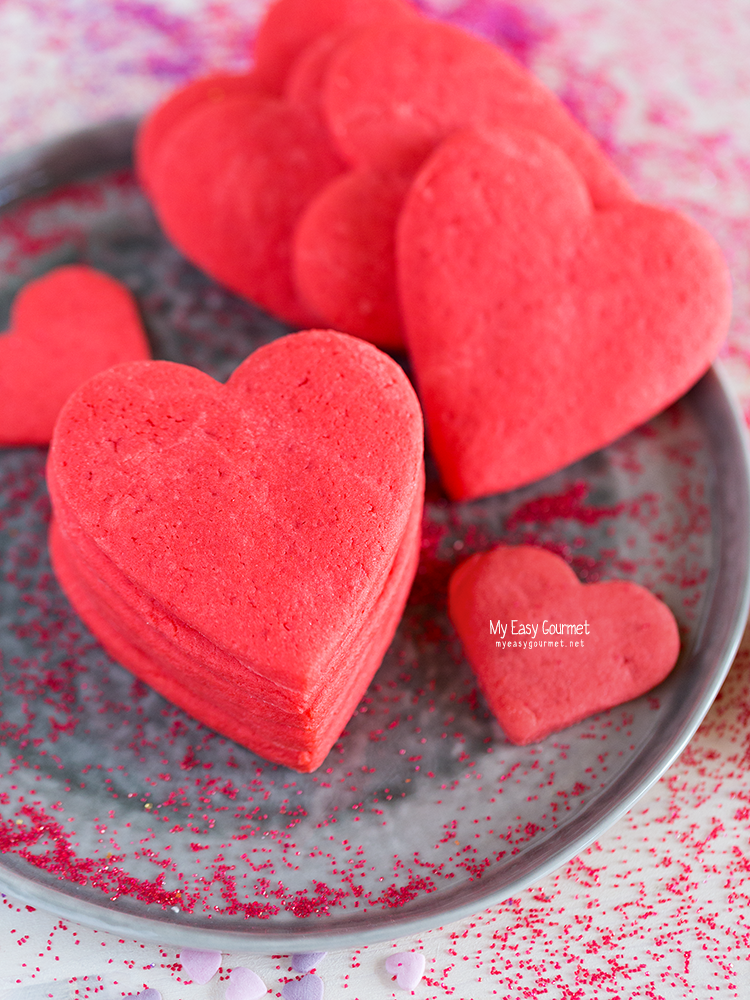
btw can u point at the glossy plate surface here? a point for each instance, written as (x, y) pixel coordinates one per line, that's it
(119, 810)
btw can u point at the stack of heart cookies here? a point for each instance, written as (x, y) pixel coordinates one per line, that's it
(286, 183)
(395, 177)
(245, 549)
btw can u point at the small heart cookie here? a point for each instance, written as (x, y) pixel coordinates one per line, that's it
(65, 327)
(548, 650)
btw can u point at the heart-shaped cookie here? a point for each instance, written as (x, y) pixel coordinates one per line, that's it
(390, 92)
(229, 182)
(549, 651)
(246, 548)
(291, 720)
(209, 90)
(395, 89)
(343, 255)
(65, 327)
(289, 26)
(541, 329)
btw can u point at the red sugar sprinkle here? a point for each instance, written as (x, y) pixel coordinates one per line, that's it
(568, 505)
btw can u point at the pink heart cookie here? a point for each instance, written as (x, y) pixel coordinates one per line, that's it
(65, 327)
(549, 651)
(541, 329)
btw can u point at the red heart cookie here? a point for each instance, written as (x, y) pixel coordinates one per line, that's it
(549, 651)
(343, 255)
(289, 26)
(395, 89)
(541, 329)
(179, 105)
(304, 82)
(229, 183)
(65, 327)
(246, 548)
(289, 728)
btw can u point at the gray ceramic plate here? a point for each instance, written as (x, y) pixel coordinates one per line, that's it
(118, 810)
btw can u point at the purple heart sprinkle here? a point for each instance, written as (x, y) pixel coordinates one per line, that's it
(149, 994)
(407, 967)
(307, 960)
(200, 965)
(307, 988)
(244, 985)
